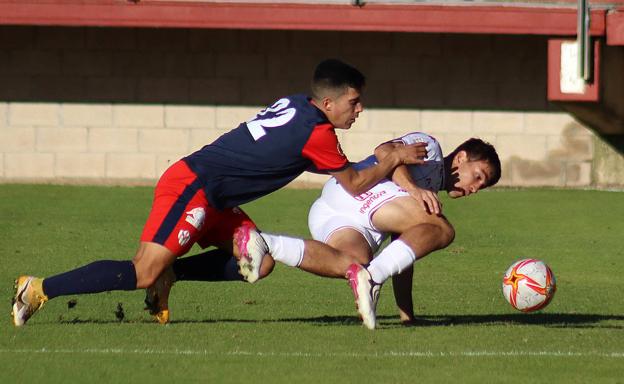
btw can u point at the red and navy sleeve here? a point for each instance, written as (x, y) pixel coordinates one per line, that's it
(323, 149)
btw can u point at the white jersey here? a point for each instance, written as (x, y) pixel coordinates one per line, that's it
(337, 209)
(431, 174)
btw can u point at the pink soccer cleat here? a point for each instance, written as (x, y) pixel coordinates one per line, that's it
(252, 249)
(366, 293)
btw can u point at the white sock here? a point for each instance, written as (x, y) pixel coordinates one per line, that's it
(391, 261)
(287, 250)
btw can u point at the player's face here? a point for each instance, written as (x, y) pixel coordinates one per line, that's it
(468, 177)
(342, 110)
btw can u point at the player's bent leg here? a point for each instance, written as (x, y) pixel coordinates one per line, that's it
(353, 248)
(150, 261)
(349, 241)
(402, 289)
(323, 260)
(414, 243)
(344, 247)
(153, 270)
(428, 237)
(422, 231)
(98, 276)
(157, 296)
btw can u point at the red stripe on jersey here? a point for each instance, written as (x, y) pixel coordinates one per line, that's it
(324, 149)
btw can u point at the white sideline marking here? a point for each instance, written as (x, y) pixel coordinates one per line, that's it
(427, 354)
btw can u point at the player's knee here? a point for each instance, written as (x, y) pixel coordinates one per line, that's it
(354, 257)
(146, 274)
(150, 261)
(447, 233)
(145, 280)
(361, 258)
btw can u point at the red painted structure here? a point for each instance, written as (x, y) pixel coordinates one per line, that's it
(615, 27)
(504, 18)
(591, 92)
(534, 18)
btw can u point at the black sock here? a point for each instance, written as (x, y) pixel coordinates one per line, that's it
(99, 276)
(214, 265)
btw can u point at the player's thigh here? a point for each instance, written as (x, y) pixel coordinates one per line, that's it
(180, 211)
(219, 232)
(318, 216)
(404, 212)
(351, 242)
(342, 232)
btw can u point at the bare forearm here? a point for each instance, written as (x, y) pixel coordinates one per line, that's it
(365, 179)
(402, 178)
(357, 182)
(400, 175)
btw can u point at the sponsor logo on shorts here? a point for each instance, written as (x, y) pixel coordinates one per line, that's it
(371, 200)
(183, 237)
(363, 196)
(196, 217)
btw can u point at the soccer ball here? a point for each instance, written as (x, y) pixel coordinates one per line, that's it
(529, 285)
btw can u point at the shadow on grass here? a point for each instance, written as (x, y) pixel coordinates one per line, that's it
(553, 320)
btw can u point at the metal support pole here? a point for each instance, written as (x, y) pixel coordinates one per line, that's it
(583, 40)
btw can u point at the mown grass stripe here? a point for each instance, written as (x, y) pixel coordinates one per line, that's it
(399, 354)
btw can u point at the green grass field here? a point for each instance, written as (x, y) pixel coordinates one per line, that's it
(294, 327)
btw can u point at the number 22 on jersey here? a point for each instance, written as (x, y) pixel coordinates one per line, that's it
(274, 116)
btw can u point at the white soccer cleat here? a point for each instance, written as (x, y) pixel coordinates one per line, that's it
(157, 296)
(366, 293)
(29, 297)
(252, 249)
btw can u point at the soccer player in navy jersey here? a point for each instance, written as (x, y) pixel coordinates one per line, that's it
(196, 200)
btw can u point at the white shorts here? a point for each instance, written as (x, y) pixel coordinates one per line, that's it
(336, 209)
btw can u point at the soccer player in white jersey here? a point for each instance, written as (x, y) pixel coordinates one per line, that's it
(407, 206)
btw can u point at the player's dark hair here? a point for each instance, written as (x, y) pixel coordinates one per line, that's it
(479, 150)
(333, 74)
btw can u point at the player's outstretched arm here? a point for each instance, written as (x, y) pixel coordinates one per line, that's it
(357, 182)
(428, 200)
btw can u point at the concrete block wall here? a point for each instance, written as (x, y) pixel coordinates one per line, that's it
(102, 105)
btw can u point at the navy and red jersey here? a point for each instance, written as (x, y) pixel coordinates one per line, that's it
(267, 152)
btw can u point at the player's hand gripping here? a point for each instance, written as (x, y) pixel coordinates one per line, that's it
(427, 199)
(411, 153)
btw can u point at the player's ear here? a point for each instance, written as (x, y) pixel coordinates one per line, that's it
(461, 157)
(327, 103)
